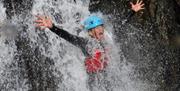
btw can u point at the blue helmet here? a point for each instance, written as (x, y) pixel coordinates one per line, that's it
(92, 22)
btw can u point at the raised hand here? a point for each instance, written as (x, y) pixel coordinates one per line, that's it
(43, 22)
(138, 6)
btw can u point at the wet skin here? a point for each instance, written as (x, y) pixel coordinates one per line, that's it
(97, 32)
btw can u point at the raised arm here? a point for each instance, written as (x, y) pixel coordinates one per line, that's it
(45, 22)
(134, 8)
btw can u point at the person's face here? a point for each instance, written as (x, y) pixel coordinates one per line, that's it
(98, 32)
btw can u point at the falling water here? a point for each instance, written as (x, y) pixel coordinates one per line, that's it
(41, 61)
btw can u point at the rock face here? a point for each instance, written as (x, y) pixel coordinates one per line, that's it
(155, 43)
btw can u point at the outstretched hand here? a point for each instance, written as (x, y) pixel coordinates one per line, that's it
(138, 6)
(43, 22)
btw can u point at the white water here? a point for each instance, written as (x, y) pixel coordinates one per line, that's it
(68, 59)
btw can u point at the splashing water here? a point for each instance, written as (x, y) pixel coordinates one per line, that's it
(40, 61)
(2, 13)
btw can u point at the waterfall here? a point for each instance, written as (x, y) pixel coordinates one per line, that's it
(41, 61)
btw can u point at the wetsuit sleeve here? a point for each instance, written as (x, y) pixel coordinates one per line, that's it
(75, 40)
(128, 16)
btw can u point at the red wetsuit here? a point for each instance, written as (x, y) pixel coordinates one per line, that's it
(96, 63)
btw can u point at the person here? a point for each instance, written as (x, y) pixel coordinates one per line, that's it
(93, 47)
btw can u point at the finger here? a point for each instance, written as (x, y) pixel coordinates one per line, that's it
(141, 2)
(49, 18)
(38, 21)
(39, 25)
(142, 8)
(131, 3)
(137, 2)
(142, 5)
(40, 17)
